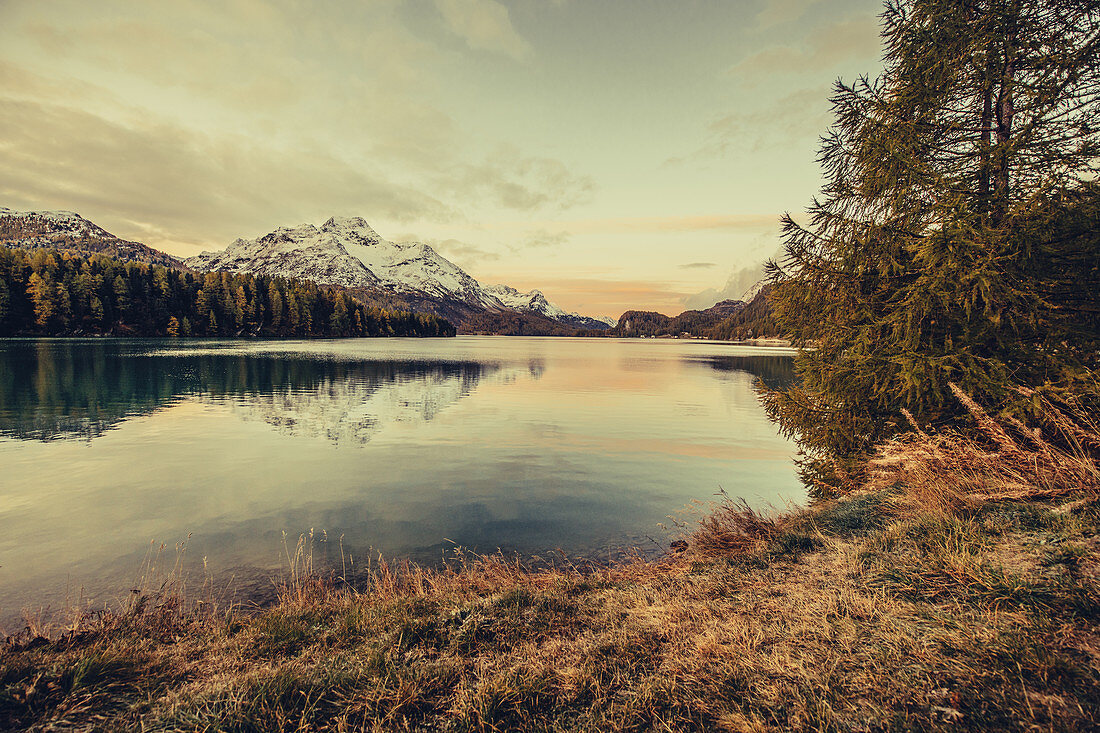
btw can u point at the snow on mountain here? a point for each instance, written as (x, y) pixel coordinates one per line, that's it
(535, 302)
(347, 251)
(67, 230)
(752, 292)
(56, 222)
(302, 252)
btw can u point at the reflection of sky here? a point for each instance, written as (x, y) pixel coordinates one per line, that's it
(557, 443)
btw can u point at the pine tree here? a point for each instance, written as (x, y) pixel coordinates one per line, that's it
(42, 294)
(57, 293)
(122, 296)
(95, 309)
(956, 238)
(275, 306)
(339, 319)
(240, 306)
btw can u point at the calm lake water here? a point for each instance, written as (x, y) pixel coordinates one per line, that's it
(407, 447)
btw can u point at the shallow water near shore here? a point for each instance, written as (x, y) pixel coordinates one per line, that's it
(404, 447)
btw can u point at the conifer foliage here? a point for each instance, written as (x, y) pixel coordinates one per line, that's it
(957, 238)
(45, 292)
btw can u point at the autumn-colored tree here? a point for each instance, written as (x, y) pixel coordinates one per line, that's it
(42, 294)
(957, 236)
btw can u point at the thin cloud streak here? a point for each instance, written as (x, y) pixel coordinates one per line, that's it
(653, 224)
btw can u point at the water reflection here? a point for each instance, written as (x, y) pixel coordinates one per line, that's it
(777, 372)
(400, 446)
(71, 389)
(63, 390)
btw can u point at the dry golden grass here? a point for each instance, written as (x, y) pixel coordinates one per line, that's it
(979, 611)
(952, 472)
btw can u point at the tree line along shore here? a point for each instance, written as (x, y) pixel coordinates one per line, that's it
(45, 292)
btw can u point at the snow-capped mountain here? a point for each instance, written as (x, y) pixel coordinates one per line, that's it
(67, 230)
(54, 222)
(752, 292)
(348, 252)
(536, 302)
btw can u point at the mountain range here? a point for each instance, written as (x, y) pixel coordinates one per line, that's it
(344, 252)
(396, 276)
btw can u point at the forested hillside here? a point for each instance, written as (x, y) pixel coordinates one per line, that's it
(755, 320)
(59, 293)
(69, 232)
(694, 322)
(729, 320)
(509, 323)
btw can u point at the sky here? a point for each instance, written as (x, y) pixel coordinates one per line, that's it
(615, 154)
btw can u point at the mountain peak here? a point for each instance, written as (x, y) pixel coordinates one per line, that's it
(337, 223)
(346, 251)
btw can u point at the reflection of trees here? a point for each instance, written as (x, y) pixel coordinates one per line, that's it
(775, 371)
(66, 389)
(52, 389)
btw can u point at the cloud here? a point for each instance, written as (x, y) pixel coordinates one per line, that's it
(799, 114)
(738, 283)
(545, 238)
(698, 265)
(780, 12)
(194, 123)
(657, 224)
(802, 115)
(484, 25)
(454, 249)
(842, 41)
(77, 145)
(519, 182)
(125, 175)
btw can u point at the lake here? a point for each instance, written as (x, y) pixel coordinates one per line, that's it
(404, 447)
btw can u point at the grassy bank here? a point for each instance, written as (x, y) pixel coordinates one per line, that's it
(956, 586)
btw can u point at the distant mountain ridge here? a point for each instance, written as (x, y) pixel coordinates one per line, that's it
(728, 320)
(651, 323)
(346, 251)
(66, 230)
